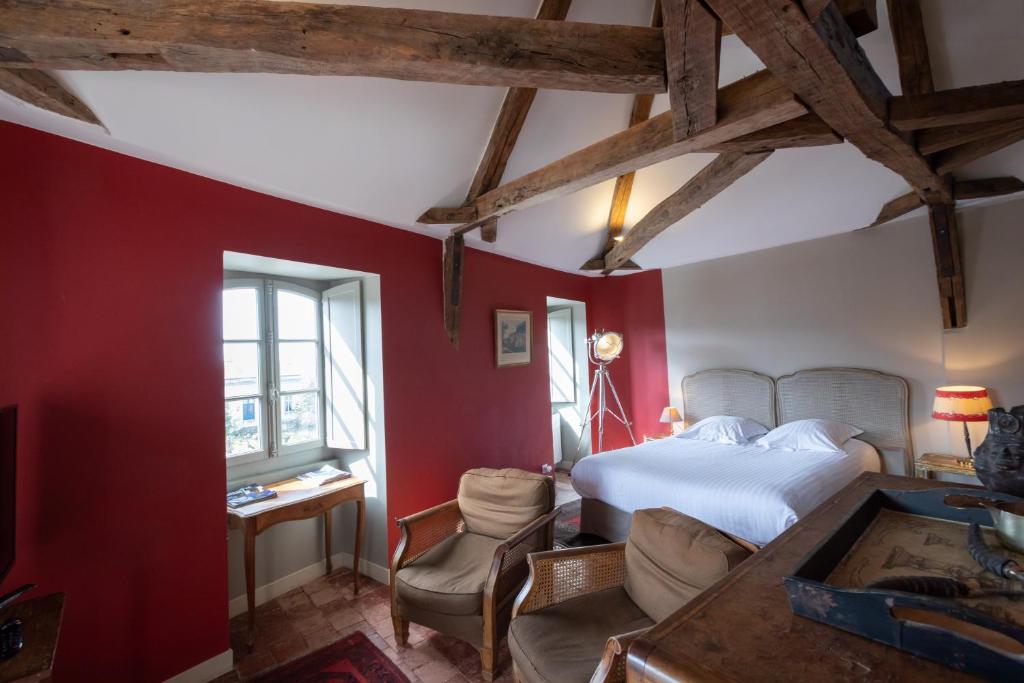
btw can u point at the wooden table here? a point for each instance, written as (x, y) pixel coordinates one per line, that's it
(929, 463)
(742, 628)
(296, 500)
(41, 619)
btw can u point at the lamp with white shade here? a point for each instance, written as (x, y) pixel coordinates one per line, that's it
(671, 416)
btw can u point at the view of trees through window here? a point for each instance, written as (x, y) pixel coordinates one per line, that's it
(273, 395)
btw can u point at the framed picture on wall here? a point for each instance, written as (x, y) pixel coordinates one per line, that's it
(513, 337)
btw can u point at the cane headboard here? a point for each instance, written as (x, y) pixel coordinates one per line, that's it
(874, 401)
(729, 392)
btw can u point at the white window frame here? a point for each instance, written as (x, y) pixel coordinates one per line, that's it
(277, 395)
(263, 395)
(270, 381)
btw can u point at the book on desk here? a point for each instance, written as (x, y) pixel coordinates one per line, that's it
(255, 493)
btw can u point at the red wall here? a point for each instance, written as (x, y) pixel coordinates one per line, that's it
(633, 305)
(110, 278)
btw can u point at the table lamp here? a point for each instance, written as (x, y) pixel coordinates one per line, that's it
(962, 404)
(670, 416)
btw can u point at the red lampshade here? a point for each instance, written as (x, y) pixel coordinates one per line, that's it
(961, 404)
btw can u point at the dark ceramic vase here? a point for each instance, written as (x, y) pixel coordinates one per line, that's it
(999, 460)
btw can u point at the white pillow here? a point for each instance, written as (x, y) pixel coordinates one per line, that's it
(724, 429)
(809, 435)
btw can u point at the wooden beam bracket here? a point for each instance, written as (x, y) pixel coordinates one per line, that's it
(453, 257)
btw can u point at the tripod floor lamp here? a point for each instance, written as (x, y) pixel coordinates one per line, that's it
(602, 348)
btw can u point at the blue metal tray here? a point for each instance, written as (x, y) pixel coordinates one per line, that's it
(943, 630)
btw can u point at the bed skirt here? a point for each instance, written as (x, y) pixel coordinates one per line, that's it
(612, 524)
(604, 520)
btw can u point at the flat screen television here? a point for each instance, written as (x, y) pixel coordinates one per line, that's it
(8, 433)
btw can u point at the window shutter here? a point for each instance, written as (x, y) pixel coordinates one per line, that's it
(561, 364)
(344, 369)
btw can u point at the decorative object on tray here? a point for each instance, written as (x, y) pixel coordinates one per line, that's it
(949, 464)
(1007, 517)
(602, 348)
(247, 495)
(899, 571)
(324, 475)
(1000, 457)
(962, 404)
(671, 416)
(513, 337)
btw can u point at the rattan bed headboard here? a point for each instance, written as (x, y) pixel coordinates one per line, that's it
(874, 401)
(729, 392)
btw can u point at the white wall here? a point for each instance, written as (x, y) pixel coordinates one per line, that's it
(865, 299)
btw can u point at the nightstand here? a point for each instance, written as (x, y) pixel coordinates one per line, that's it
(929, 463)
(655, 437)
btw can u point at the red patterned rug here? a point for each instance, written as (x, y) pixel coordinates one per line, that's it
(354, 659)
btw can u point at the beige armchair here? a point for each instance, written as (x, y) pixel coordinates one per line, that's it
(582, 608)
(459, 566)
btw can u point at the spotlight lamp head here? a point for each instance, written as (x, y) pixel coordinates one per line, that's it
(606, 346)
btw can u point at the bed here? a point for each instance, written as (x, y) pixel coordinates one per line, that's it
(751, 493)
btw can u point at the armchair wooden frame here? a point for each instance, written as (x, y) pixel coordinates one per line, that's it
(560, 575)
(424, 530)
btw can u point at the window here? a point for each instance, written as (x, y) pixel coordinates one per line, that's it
(561, 362)
(274, 401)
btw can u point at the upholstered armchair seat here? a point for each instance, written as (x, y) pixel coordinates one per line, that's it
(460, 565)
(450, 577)
(572, 635)
(581, 608)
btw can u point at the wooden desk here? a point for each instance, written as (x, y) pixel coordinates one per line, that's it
(742, 628)
(41, 619)
(296, 500)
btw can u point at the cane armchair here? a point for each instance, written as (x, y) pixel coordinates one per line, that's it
(582, 608)
(459, 566)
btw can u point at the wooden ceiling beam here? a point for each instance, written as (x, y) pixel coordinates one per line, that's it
(452, 266)
(974, 104)
(621, 194)
(448, 215)
(706, 185)
(962, 189)
(861, 15)
(987, 187)
(823, 64)
(932, 140)
(505, 134)
(749, 105)
(957, 157)
(255, 36)
(693, 45)
(911, 46)
(640, 112)
(41, 90)
(807, 131)
(948, 265)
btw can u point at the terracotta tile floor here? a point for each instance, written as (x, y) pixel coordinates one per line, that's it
(324, 611)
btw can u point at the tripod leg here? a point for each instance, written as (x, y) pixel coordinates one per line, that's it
(622, 411)
(602, 409)
(586, 421)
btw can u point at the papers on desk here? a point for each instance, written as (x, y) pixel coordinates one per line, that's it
(324, 475)
(247, 495)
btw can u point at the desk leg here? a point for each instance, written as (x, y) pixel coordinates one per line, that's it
(360, 515)
(327, 539)
(250, 579)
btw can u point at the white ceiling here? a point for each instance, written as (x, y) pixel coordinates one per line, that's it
(387, 150)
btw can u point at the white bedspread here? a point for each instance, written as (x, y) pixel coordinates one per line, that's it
(750, 492)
